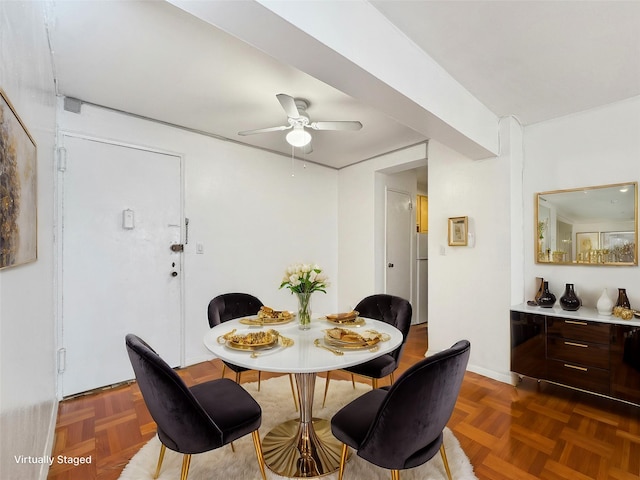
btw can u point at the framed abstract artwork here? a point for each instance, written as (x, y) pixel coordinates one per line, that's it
(18, 189)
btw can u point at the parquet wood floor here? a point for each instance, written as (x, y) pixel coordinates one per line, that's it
(534, 431)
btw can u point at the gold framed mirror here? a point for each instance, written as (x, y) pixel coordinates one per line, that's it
(588, 226)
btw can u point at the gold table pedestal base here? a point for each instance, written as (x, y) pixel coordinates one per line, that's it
(300, 450)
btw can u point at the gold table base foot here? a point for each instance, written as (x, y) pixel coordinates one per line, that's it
(293, 450)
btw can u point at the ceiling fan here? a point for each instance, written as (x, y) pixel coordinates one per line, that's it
(298, 119)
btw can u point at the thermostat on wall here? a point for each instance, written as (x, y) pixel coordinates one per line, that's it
(127, 219)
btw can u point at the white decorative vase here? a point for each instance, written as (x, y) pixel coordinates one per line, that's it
(605, 304)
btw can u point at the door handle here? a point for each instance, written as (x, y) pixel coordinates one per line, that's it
(390, 265)
(174, 274)
(177, 247)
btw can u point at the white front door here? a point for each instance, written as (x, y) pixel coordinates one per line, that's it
(121, 212)
(400, 225)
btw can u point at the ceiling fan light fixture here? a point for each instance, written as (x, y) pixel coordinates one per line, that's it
(298, 137)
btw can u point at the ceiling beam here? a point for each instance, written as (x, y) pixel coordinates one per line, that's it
(354, 48)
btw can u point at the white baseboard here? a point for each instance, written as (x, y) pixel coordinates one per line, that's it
(500, 377)
(51, 435)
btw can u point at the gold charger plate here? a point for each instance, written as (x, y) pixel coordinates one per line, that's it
(355, 322)
(342, 316)
(266, 321)
(250, 341)
(350, 338)
(331, 342)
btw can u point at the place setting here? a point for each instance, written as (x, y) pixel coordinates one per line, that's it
(347, 319)
(269, 316)
(255, 342)
(339, 340)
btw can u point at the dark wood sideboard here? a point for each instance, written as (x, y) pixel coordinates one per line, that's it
(578, 349)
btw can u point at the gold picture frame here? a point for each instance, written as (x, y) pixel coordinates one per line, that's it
(458, 231)
(18, 189)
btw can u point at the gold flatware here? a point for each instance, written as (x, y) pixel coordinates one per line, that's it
(284, 342)
(223, 338)
(317, 343)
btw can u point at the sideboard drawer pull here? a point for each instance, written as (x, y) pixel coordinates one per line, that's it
(576, 367)
(575, 322)
(574, 344)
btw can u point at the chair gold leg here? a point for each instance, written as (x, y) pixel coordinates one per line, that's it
(326, 388)
(259, 376)
(186, 460)
(392, 378)
(353, 381)
(374, 383)
(238, 377)
(293, 392)
(444, 460)
(163, 449)
(258, 447)
(224, 369)
(233, 449)
(395, 474)
(343, 460)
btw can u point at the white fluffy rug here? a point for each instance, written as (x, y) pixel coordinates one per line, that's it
(277, 406)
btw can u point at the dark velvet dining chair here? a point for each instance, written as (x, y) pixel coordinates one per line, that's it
(401, 426)
(390, 309)
(229, 306)
(197, 419)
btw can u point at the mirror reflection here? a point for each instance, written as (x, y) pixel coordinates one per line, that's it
(593, 225)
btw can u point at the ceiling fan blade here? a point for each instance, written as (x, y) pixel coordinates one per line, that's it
(289, 105)
(265, 130)
(341, 125)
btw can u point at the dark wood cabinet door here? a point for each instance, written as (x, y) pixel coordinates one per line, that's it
(528, 340)
(625, 362)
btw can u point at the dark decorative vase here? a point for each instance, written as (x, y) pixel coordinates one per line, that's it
(623, 300)
(547, 299)
(569, 301)
(540, 290)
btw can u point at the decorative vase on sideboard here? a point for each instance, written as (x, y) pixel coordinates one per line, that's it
(623, 300)
(569, 301)
(540, 289)
(547, 299)
(605, 304)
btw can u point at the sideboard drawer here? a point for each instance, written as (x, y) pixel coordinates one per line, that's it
(579, 376)
(578, 352)
(594, 332)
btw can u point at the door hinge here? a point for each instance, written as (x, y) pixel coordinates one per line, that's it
(62, 359)
(62, 159)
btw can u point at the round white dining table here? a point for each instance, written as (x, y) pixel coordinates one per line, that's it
(302, 447)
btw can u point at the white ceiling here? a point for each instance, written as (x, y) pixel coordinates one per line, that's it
(536, 60)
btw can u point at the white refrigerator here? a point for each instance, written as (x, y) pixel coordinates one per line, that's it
(422, 263)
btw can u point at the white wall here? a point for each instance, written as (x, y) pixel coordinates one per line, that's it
(27, 355)
(470, 287)
(597, 147)
(361, 212)
(251, 215)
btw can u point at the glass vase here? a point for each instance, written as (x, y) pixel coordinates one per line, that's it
(304, 310)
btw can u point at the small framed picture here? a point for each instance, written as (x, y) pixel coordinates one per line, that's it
(458, 228)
